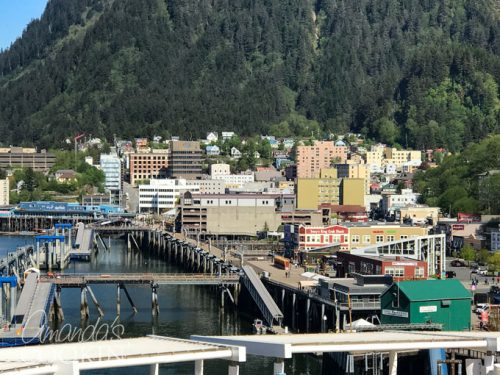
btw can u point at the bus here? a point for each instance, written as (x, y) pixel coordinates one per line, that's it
(282, 262)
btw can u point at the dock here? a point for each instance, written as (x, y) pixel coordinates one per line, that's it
(84, 243)
(81, 280)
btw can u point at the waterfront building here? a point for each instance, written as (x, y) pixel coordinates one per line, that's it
(311, 159)
(148, 165)
(185, 158)
(349, 235)
(4, 191)
(19, 157)
(163, 194)
(445, 302)
(233, 214)
(400, 268)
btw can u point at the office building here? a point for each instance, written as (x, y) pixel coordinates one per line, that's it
(352, 191)
(209, 186)
(161, 195)
(146, 166)
(185, 158)
(348, 170)
(19, 157)
(111, 165)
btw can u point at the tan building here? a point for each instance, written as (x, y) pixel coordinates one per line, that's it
(4, 192)
(311, 192)
(19, 157)
(311, 159)
(400, 157)
(348, 170)
(146, 166)
(232, 214)
(418, 214)
(352, 191)
(369, 235)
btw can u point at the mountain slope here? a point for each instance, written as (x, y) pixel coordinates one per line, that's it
(397, 70)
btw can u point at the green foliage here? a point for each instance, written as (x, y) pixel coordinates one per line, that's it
(417, 73)
(483, 256)
(468, 253)
(465, 182)
(494, 261)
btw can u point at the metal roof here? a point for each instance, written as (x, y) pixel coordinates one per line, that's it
(284, 346)
(116, 353)
(425, 290)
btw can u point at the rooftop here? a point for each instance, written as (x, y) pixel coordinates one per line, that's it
(424, 290)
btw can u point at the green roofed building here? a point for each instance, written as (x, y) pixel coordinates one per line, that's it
(446, 302)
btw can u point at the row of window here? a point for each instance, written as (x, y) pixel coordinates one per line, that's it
(355, 238)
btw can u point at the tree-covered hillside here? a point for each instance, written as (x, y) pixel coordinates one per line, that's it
(417, 72)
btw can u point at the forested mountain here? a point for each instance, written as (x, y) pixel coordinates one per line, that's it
(421, 73)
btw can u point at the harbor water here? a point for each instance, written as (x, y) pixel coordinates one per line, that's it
(184, 311)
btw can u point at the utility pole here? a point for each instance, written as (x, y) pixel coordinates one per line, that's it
(76, 148)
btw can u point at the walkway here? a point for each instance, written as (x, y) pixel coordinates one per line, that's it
(80, 280)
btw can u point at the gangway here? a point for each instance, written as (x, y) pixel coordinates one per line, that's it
(270, 311)
(84, 243)
(30, 316)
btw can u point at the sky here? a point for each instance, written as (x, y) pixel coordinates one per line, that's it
(15, 16)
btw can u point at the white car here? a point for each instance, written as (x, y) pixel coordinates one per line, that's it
(480, 307)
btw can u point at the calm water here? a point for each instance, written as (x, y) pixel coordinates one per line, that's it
(184, 311)
(10, 243)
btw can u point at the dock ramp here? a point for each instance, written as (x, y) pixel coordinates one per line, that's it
(31, 313)
(269, 309)
(84, 243)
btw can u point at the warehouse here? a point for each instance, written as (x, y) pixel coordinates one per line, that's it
(446, 302)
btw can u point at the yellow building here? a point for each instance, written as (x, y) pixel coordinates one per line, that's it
(364, 236)
(419, 214)
(351, 170)
(353, 191)
(400, 157)
(311, 192)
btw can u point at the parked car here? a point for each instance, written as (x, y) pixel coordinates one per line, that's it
(457, 263)
(451, 274)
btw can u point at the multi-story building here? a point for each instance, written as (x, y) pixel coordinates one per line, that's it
(146, 166)
(352, 191)
(232, 214)
(350, 235)
(4, 192)
(400, 268)
(162, 194)
(401, 157)
(311, 159)
(19, 157)
(312, 192)
(185, 158)
(111, 165)
(235, 181)
(495, 240)
(348, 170)
(209, 186)
(390, 202)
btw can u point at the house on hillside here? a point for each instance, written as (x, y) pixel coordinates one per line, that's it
(212, 150)
(65, 176)
(235, 153)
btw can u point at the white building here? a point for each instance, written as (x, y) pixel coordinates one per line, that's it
(393, 201)
(212, 137)
(495, 241)
(227, 135)
(111, 165)
(235, 153)
(162, 194)
(4, 192)
(235, 180)
(220, 169)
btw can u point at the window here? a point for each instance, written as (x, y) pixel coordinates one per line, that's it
(355, 238)
(419, 272)
(367, 239)
(390, 238)
(379, 239)
(395, 271)
(403, 237)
